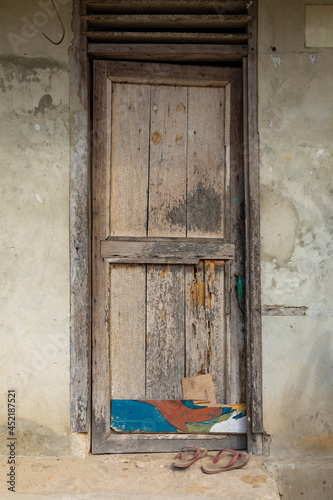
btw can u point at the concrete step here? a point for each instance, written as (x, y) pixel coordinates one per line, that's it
(146, 476)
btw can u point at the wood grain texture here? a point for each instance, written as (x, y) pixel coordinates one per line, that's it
(100, 273)
(80, 237)
(167, 74)
(139, 37)
(167, 217)
(215, 319)
(165, 332)
(174, 6)
(128, 331)
(165, 250)
(205, 163)
(205, 324)
(149, 443)
(254, 226)
(129, 197)
(168, 52)
(129, 159)
(197, 362)
(236, 221)
(153, 21)
(167, 174)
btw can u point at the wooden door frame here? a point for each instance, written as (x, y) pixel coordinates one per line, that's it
(80, 248)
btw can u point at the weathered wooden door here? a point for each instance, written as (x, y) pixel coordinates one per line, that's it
(168, 202)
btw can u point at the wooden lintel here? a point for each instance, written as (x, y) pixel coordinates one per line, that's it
(283, 310)
(165, 250)
(146, 21)
(164, 52)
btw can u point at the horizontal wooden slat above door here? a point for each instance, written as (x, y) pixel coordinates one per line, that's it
(165, 21)
(166, 6)
(218, 24)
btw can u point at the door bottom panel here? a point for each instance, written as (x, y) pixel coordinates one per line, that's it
(175, 416)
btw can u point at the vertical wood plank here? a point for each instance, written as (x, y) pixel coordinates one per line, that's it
(215, 319)
(167, 178)
(253, 306)
(128, 316)
(196, 333)
(167, 217)
(205, 316)
(237, 216)
(129, 190)
(129, 159)
(80, 237)
(100, 278)
(205, 162)
(165, 332)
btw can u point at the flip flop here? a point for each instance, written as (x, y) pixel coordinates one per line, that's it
(226, 460)
(187, 458)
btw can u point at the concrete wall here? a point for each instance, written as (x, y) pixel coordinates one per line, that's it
(34, 211)
(296, 148)
(296, 130)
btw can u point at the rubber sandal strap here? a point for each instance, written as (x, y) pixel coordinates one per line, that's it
(189, 447)
(231, 463)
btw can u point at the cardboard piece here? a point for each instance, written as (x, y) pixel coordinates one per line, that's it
(200, 389)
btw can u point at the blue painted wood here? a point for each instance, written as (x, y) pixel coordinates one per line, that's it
(176, 416)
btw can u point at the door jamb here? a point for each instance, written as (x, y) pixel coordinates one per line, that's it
(80, 224)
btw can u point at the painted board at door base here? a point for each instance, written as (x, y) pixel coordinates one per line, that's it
(169, 416)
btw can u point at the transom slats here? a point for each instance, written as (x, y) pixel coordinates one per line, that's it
(167, 21)
(218, 23)
(166, 37)
(167, 6)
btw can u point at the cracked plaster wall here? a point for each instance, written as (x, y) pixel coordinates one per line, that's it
(296, 174)
(34, 281)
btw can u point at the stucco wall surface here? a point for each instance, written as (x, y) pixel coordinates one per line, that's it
(34, 177)
(296, 130)
(296, 169)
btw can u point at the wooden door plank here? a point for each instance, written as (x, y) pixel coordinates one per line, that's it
(153, 21)
(165, 332)
(205, 163)
(165, 416)
(149, 443)
(166, 37)
(167, 179)
(167, 217)
(128, 216)
(100, 278)
(205, 318)
(196, 332)
(168, 52)
(128, 328)
(215, 319)
(174, 6)
(237, 213)
(129, 159)
(166, 250)
(168, 74)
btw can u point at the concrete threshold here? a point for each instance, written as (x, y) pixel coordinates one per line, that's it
(140, 476)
